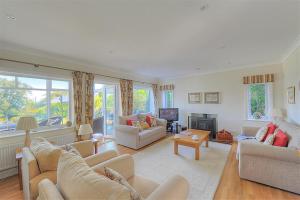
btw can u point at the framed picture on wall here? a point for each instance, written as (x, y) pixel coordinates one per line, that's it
(195, 97)
(211, 97)
(291, 95)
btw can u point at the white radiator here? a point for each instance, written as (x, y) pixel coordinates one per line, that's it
(8, 161)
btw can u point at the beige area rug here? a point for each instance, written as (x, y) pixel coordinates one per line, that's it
(158, 162)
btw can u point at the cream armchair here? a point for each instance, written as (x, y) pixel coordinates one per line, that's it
(31, 174)
(174, 188)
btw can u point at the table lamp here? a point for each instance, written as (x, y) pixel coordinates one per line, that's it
(85, 129)
(27, 123)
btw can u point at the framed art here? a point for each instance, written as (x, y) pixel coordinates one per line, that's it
(291, 95)
(195, 97)
(211, 97)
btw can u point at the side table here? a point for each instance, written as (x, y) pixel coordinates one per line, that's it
(99, 139)
(19, 157)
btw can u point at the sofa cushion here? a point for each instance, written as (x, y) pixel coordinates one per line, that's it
(293, 133)
(152, 131)
(76, 180)
(115, 176)
(280, 139)
(270, 139)
(51, 175)
(260, 135)
(142, 185)
(151, 121)
(85, 148)
(46, 154)
(271, 129)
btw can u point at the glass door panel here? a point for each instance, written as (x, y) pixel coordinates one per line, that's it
(104, 109)
(110, 109)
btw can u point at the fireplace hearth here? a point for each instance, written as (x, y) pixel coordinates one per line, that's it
(203, 121)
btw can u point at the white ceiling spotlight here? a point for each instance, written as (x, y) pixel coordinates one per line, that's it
(10, 17)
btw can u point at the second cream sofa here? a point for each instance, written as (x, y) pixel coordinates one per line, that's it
(132, 137)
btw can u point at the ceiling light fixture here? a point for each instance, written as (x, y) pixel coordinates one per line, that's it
(10, 17)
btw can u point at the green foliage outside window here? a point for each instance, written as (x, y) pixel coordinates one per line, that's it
(141, 100)
(257, 94)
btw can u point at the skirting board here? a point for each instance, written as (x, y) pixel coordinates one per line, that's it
(9, 172)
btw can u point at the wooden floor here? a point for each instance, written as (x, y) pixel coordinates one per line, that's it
(231, 187)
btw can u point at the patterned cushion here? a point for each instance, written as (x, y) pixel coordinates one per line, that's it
(151, 121)
(144, 125)
(137, 124)
(115, 176)
(270, 139)
(261, 133)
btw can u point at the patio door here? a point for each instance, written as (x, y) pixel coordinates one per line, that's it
(104, 108)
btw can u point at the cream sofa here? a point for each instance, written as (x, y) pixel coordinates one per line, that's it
(174, 188)
(271, 165)
(31, 174)
(131, 137)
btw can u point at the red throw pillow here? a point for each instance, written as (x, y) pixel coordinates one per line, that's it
(271, 129)
(129, 122)
(281, 139)
(148, 120)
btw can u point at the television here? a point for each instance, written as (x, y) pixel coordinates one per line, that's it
(169, 114)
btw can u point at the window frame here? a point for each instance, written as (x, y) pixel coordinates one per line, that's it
(268, 102)
(48, 91)
(165, 100)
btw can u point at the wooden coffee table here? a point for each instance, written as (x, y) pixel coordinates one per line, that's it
(185, 139)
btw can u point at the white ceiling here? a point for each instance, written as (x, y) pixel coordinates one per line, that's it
(158, 38)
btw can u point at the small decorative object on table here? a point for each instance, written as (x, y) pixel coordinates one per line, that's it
(224, 136)
(195, 137)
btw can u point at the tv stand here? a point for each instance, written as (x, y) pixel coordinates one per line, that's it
(169, 126)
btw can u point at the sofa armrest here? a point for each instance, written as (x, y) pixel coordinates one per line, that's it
(85, 148)
(161, 122)
(123, 164)
(127, 129)
(272, 152)
(48, 191)
(249, 130)
(100, 157)
(176, 187)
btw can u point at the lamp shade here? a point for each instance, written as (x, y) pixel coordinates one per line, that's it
(85, 129)
(26, 123)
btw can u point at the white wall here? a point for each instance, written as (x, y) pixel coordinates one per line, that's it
(232, 110)
(291, 73)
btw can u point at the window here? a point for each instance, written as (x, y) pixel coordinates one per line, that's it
(259, 101)
(47, 100)
(142, 100)
(168, 99)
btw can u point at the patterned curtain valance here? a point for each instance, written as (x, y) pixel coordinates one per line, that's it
(263, 78)
(166, 87)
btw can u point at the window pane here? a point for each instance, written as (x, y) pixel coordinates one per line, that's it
(59, 107)
(33, 83)
(7, 81)
(99, 86)
(16, 103)
(168, 99)
(60, 84)
(257, 94)
(98, 103)
(141, 100)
